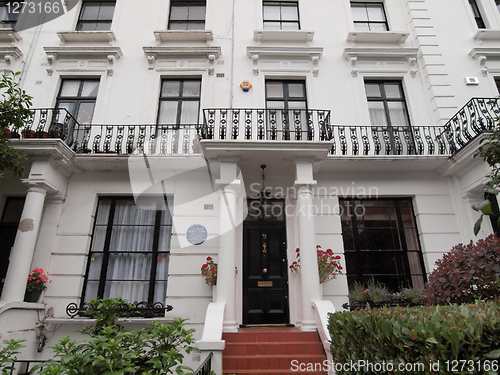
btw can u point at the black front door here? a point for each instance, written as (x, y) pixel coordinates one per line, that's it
(265, 277)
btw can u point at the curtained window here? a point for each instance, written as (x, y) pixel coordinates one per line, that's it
(369, 16)
(130, 251)
(381, 243)
(187, 15)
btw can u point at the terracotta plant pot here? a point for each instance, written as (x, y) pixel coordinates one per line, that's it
(28, 133)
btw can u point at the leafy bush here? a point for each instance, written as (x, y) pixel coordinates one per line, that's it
(113, 350)
(377, 294)
(466, 273)
(417, 335)
(7, 355)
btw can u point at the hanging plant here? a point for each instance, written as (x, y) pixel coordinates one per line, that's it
(209, 271)
(328, 264)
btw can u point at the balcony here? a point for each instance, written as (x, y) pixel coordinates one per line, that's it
(476, 117)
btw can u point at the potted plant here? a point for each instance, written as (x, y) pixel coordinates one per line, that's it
(37, 282)
(209, 271)
(328, 264)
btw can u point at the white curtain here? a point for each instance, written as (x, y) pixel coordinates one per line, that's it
(128, 273)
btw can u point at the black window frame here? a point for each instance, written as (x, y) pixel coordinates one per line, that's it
(281, 21)
(476, 12)
(106, 252)
(361, 277)
(385, 99)
(188, 22)
(75, 131)
(82, 24)
(12, 17)
(179, 99)
(287, 112)
(368, 22)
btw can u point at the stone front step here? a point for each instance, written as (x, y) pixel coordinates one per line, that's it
(272, 350)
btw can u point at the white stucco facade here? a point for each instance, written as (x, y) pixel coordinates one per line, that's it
(425, 51)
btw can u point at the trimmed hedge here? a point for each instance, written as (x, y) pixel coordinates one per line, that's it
(463, 338)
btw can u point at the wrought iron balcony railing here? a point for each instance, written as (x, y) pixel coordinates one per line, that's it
(477, 116)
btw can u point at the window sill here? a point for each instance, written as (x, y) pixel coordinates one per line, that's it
(487, 34)
(86, 36)
(283, 35)
(183, 36)
(9, 35)
(377, 37)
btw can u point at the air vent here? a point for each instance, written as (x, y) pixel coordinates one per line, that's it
(220, 75)
(207, 207)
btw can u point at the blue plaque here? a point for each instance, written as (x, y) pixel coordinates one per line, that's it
(196, 234)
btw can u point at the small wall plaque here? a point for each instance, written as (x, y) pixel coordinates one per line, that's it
(196, 234)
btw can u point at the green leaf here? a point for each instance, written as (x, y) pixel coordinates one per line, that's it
(494, 354)
(477, 225)
(481, 205)
(492, 191)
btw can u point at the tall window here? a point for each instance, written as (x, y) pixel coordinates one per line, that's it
(130, 251)
(286, 104)
(281, 15)
(8, 229)
(187, 15)
(78, 97)
(386, 103)
(477, 14)
(96, 15)
(8, 18)
(381, 243)
(369, 16)
(497, 3)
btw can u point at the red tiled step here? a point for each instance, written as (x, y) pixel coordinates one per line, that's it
(271, 350)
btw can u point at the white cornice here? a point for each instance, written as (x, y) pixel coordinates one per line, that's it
(86, 51)
(391, 53)
(257, 52)
(8, 53)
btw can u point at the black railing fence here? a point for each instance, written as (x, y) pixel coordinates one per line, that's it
(477, 116)
(25, 367)
(206, 367)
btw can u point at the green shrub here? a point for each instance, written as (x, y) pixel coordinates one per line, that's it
(377, 294)
(113, 350)
(8, 355)
(466, 273)
(418, 335)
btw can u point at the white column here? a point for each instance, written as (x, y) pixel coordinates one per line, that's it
(24, 246)
(309, 275)
(226, 288)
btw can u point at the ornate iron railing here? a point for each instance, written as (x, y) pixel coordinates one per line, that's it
(265, 124)
(140, 309)
(206, 367)
(477, 116)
